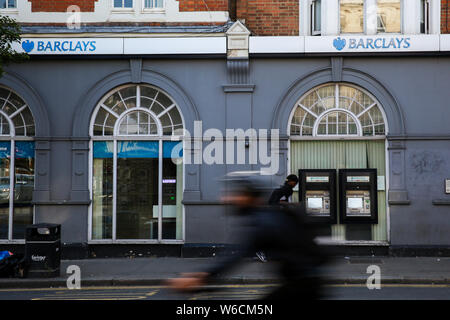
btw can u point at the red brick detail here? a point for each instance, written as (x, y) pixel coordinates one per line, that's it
(445, 16)
(61, 5)
(203, 5)
(270, 17)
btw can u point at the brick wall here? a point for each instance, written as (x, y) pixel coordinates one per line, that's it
(203, 5)
(270, 17)
(445, 16)
(61, 5)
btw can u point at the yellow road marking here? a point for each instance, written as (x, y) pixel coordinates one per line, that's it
(63, 290)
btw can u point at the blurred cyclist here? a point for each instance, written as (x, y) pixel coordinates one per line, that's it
(275, 229)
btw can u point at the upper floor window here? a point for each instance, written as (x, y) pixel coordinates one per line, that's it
(153, 4)
(351, 16)
(123, 3)
(316, 17)
(388, 16)
(8, 4)
(370, 17)
(425, 16)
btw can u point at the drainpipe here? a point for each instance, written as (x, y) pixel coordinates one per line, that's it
(232, 9)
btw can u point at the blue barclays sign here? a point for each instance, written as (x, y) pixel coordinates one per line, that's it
(120, 45)
(368, 43)
(67, 46)
(55, 46)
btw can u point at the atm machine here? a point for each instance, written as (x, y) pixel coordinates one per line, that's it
(358, 196)
(317, 194)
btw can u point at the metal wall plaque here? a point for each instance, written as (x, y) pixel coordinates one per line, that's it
(447, 186)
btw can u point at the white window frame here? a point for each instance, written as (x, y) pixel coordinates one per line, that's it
(123, 9)
(154, 9)
(427, 16)
(358, 133)
(116, 138)
(410, 16)
(313, 7)
(402, 18)
(9, 8)
(319, 117)
(12, 138)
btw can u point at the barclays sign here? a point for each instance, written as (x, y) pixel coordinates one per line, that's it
(372, 43)
(59, 46)
(70, 46)
(120, 46)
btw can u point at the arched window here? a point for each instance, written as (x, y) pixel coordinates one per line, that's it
(17, 130)
(337, 110)
(136, 186)
(142, 110)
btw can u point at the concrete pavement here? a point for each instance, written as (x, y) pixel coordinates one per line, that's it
(152, 271)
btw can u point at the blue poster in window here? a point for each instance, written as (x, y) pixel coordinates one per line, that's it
(5, 149)
(103, 149)
(173, 149)
(24, 150)
(138, 149)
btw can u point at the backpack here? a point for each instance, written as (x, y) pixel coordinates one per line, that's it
(14, 266)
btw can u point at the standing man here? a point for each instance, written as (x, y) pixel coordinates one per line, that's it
(284, 192)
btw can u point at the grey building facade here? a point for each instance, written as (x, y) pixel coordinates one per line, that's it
(260, 92)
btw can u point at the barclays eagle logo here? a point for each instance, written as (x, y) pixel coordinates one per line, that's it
(28, 46)
(339, 43)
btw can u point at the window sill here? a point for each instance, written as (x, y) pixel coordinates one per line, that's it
(10, 11)
(154, 11)
(120, 11)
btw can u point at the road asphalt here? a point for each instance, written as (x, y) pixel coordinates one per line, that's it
(145, 271)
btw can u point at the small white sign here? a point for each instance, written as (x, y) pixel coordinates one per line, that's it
(381, 183)
(447, 186)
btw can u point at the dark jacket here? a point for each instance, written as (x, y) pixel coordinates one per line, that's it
(285, 237)
(281, 193)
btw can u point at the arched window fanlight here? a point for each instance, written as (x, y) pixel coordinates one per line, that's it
(16, 118)
(137, 110)
(337, 110)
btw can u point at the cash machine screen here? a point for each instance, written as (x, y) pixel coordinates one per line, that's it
(318, 202)
(358, 203)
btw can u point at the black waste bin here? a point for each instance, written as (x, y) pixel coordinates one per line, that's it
(43, 250)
